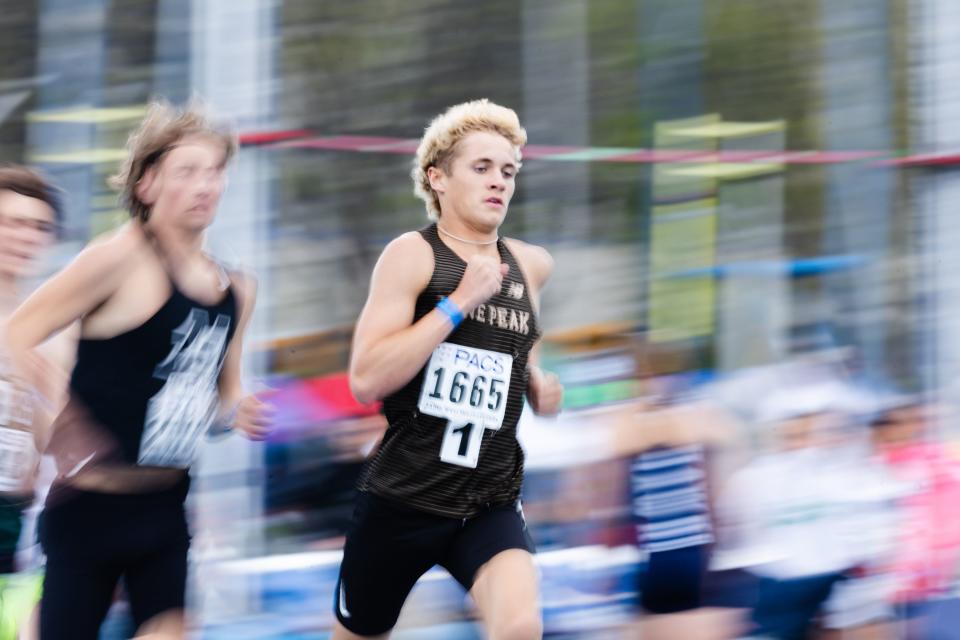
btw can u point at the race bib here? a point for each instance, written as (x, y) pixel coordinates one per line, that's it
(16, 458)
(467, 387)
(466, 384)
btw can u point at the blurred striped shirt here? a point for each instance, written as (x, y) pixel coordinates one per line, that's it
(669, 498)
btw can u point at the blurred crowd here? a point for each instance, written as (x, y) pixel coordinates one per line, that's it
(793, 500)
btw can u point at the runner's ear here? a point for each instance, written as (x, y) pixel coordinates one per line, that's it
(147, 186)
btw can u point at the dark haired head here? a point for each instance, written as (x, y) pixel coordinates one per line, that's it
(32, 184)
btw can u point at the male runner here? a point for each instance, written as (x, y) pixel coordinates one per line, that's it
(29, 213)
(158, 360)
(445, 340)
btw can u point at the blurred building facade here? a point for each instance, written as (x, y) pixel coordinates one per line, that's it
(591, 80)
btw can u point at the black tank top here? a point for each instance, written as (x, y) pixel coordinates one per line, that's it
(151, 391)
(484, 465)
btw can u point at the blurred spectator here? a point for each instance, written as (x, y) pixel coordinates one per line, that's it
(927, 551)
(799, 510)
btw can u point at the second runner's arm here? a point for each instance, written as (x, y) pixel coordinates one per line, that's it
(90, 279)
(83, 285)
(239, 409)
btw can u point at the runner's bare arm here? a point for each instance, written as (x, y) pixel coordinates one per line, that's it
(388, 348)
(243, 411)
(231, 379)
(84, 284)
(536, 263)
(636, 427)
(544, 391)
(92, 277)
(60, 351)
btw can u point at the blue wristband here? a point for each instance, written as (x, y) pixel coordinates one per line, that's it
(452, 311)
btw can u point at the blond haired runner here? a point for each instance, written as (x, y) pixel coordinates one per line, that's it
(445, 340)
(158, 362)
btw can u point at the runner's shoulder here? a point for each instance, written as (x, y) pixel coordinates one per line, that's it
(407, 256)
(112, 252)
(536, 262)
(410, 244)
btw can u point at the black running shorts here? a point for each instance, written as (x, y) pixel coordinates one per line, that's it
(390, 546)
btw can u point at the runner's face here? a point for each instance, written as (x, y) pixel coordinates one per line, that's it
(905, 426)
(188, 183)
(27, 227)
(799, 433)
(815, 431)
(481, 181)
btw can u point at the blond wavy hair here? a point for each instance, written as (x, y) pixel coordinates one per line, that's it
(439, 143)
(162, 128)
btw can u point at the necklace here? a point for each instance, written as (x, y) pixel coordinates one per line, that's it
(473, 242)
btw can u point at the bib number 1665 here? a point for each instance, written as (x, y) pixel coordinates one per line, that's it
(462, 391)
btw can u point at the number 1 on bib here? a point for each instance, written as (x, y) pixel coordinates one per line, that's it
(461, 444)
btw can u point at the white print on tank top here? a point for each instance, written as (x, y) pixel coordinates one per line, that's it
(18, 455)
(182, 411)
